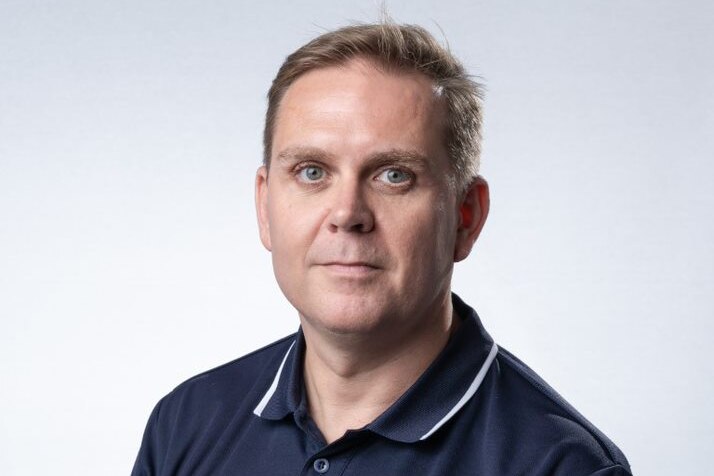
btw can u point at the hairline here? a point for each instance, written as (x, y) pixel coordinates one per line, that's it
(369, 62)
(396, 49)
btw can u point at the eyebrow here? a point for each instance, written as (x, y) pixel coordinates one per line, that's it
(294, 154)
(403, 156)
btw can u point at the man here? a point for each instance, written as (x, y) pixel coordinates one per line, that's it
(368, 194)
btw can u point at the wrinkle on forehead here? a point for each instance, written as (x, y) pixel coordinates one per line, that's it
(316, 90)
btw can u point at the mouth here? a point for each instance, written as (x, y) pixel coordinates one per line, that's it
(350, 268)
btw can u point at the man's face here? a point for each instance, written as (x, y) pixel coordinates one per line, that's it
(357, 208)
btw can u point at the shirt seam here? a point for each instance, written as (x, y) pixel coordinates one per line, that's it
(575, 416)
(613, 466)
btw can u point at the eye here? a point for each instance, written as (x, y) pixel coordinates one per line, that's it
(311, 173)
(394, 176)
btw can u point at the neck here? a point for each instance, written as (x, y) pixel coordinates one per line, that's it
(351, 380)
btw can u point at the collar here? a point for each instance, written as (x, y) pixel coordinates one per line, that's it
(437, 395)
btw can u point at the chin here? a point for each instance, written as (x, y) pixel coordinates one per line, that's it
(349, 315)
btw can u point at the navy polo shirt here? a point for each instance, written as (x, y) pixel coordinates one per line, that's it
(477, 410)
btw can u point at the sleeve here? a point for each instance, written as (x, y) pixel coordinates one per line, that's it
(149, 457)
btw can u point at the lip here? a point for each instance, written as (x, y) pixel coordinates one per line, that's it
(356, 268)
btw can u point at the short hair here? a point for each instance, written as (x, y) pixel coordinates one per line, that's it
(396, 47)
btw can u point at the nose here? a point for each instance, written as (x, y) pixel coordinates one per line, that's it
(349, 209)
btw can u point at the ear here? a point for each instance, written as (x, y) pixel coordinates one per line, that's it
(472, 213)
(261, 205)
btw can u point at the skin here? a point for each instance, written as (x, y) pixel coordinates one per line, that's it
(364, 225)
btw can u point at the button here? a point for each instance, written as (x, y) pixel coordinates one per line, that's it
(321, 465)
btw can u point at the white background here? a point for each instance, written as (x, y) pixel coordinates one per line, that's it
(130, 132)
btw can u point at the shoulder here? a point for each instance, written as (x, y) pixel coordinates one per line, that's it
(234, 386)
(548, 429)
(197, 411)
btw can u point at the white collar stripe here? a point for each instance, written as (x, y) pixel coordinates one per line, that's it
(269, 394)
(469, 393)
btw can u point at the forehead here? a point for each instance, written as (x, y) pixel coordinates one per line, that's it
(360, 107)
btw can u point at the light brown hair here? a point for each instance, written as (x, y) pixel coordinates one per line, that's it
(395, 47)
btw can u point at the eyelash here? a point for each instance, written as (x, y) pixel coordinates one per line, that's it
(299, 168)
(409, 176)
(408, 182)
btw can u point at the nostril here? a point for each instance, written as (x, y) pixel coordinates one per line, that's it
(353, 219)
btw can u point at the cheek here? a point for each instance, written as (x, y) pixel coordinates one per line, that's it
(423, 234)
(293, 224)
(279, 217)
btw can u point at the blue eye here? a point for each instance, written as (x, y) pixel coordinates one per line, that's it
(394, 176)
(311, 173)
